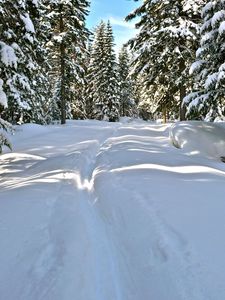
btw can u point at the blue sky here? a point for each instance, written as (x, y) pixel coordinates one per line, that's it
(115, 11)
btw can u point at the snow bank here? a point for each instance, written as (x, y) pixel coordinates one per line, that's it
(199, 138)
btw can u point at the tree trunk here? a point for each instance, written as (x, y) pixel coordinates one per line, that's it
(182, 90)
(62, 72)
(182, 107)
(164, 115)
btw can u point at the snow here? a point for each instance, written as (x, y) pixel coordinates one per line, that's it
(209, 6)
(196, 66)
(96, 210)
(29, 26)
(211, 79)
(203, 138)
(35, 2)
(217, 17)
(222, 28)
(7, 55)
(3, 98)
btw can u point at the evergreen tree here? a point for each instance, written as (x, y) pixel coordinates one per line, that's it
(207, 101)
(96, 89)
(165, 46)
(102, 75)
(4, 126)
(17, 64)
(40, 112)
(111, 103)
(87, 90)
(69, 36)
(126, 86)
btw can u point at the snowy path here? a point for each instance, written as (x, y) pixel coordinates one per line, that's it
(95, 211)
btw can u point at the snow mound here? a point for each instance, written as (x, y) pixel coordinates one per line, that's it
(199, 138)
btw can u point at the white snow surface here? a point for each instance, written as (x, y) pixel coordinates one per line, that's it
(95, 210)
(29, 26)
(7, 55)
(3, 98)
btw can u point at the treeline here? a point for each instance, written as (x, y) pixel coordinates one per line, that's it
(53, 68)
(179, 56)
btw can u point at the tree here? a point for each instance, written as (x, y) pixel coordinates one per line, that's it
(102, 76)
(165, 47)
(4, 126)
(111, 103)
(69, 37)
(207, 100)
(126, 85)
(17, 65)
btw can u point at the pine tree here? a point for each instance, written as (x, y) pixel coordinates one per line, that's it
(102, 75)
(96, 90)
(111, 103)
(165, 46)
(40, 112)
(126, 86)
(207, 101)
(4, 125)
(69, 36)
(87, 90)
(17, 63)
(17, 58)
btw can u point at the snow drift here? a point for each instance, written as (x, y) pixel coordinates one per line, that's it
(199, 138)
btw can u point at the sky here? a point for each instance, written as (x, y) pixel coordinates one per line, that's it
(115, 11)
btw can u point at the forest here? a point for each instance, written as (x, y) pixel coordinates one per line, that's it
(112, 149)
(53, 68)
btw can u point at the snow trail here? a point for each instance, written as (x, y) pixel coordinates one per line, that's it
(93, 211)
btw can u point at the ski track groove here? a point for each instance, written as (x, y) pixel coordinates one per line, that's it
(43, 274)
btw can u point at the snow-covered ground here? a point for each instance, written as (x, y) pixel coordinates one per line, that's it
(94, 211)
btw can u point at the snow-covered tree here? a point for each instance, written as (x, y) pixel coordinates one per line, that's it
(165, 45)
(96, 89)
(126, 85)
(40, 110)
(111, 104)
(208, 99)
(4, 125)
(69, 39)
(102, 75)
(18, 62)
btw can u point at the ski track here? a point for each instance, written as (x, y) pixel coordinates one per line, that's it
(112, 267)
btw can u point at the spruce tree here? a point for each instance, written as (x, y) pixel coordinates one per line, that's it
(69, 37)
(96, 90)
(102, 76)
(4, 125)
(40, 112)
(207, 100)
(111, 103)
(165, 46)
(126, 86)
(17, 65)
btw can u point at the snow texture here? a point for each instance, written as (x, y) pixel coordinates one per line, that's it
(7, 55)
(222, 28)
(196, 66)
(217, 17)
(95, 210)
(3, 98)
(29, 26)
